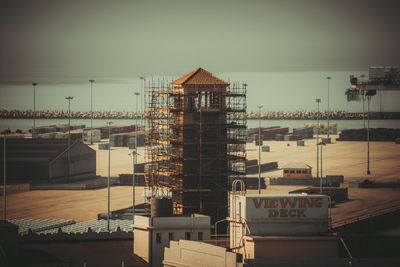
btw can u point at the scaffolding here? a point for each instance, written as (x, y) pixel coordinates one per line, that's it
(195, 144)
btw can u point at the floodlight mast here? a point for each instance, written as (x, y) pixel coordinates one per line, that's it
(259, 148)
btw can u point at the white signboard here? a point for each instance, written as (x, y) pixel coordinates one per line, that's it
(280, 207)
(281, 213)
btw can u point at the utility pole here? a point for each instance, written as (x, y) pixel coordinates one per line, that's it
(369, 100)
(363, 101)
(318, 100)
(259, 149)
(320, 178)
(91, 111)
(328, 78)
(34, 108)
(4, 181)
(108, 180)
(69, 98)
(142, 104)
(134, 152)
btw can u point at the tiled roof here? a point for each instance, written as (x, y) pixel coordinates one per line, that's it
(199, 77)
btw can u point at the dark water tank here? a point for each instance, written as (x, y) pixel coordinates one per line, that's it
(161, 207)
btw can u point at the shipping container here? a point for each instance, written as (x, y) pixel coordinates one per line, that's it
(265, 149)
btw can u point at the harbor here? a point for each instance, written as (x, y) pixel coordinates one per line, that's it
(200, 133)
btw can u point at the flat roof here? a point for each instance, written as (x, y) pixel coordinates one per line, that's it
(296, 165)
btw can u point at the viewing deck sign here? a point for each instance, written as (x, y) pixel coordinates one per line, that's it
(280, 207)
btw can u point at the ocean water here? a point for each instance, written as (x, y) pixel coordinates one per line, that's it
(276, 91)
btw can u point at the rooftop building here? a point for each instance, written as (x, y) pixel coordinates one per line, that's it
(297, 171)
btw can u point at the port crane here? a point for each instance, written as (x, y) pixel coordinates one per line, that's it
(381, 78)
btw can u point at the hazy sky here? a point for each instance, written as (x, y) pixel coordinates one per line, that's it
(135, 38)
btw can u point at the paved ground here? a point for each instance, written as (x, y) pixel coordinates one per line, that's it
(79, 205)
(121, 160)
(83, 205)
(345, 158)
(348, 158)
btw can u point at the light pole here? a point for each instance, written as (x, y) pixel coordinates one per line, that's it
(318, 100)
(34, 108)
(134, 152)
(4, 180)
(108, 180)
(69, 98)
(142, 104)
(363, 100)
(259, 149)
(369, 100)
(320, 178)
(91, 111)
(328, 78)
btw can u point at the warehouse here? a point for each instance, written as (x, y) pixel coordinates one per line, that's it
(46, 160)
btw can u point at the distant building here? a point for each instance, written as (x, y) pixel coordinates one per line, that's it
(38, 160)
(323, 128)
(297, 171)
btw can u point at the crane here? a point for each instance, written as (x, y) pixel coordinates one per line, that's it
(381, 78)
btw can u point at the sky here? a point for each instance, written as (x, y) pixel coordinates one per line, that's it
(133, 38)
(61, 44)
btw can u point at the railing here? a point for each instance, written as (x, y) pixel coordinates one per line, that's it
(357, 218)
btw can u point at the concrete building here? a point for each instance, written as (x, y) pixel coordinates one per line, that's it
(281, 226)
(267, 230)
(192, 253)
(153, 234)
(46, 160)
(297, 171)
